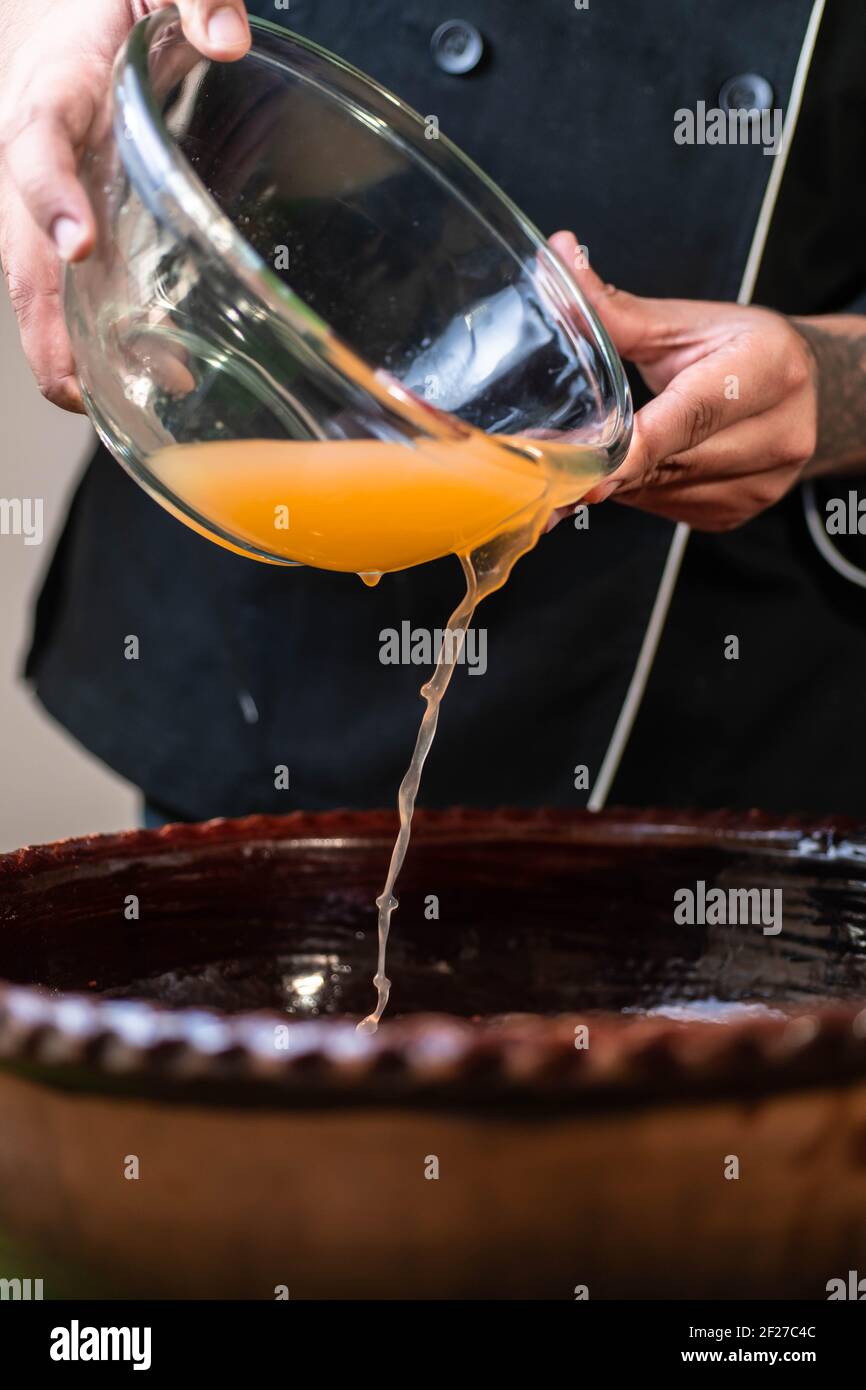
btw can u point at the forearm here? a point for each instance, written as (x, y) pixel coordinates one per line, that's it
(838, 345)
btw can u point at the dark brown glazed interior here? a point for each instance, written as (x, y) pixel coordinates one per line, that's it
(551, 915)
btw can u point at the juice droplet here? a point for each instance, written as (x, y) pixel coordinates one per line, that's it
(370, 578)
(386, 904)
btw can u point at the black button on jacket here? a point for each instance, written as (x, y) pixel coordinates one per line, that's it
(572, 112)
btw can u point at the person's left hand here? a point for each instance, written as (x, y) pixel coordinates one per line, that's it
(734, 419)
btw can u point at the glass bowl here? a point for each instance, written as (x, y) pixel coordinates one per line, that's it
(289, 257)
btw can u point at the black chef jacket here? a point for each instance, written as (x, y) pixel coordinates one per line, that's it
(572, 112)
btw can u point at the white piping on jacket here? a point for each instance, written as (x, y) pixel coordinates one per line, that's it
(658, 617)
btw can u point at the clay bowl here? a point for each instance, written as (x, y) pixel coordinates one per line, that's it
(211, 1038)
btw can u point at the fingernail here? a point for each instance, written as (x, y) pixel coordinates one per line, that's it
(226, 29)
(66, 235)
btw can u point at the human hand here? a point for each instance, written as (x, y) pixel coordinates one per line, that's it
(55, 67)
(734, 419)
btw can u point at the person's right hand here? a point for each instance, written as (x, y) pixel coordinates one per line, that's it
(55, 67)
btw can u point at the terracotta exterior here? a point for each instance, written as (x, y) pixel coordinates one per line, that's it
(559, 1166)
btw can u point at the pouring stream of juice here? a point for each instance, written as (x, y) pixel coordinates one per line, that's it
(372, 507)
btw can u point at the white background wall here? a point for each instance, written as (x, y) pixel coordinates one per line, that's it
(49, 787)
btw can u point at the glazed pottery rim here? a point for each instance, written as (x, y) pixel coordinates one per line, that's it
(91, 1042)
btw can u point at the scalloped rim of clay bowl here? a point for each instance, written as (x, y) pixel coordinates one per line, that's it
(139, 1047)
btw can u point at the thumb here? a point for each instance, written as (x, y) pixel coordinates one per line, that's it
(217, 28)
(636, 326)
(671, 425)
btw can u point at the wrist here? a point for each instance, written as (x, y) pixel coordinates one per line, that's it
(837, 347)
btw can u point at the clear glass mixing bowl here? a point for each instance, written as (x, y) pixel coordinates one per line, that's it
(286, 252)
